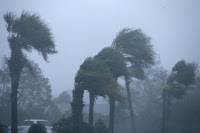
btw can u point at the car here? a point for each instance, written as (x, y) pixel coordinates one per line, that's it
(26, 124)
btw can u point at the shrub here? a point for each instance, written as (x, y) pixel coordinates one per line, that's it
(64, 125)
(2, 128)
(37, 128)
(100, 127)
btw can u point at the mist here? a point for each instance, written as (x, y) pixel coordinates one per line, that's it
(81, 30)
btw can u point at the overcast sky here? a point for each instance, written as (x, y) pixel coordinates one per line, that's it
(81, 28)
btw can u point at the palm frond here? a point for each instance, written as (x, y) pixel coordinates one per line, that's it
(35, 34)
(28, 64)
(10, 19)
(136, 45)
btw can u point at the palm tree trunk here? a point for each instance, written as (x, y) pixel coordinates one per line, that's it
(164, 112)
(15, 84)
(91, 109)
(77, 109)
(112, 113)
(127, 81)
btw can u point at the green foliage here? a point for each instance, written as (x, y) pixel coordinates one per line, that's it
(64, 97)
(64, 125)
(3, 128)
(34, 91)
(136, 48)
(37, 128)
(138, 54)
(183, 73)
(32, 32)
(114, 61)
(4, 96)
(95, 77)
(34, 94)
(175, 90)
(26, 33)
(100, 127)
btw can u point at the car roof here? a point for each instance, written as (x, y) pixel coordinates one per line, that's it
(35, 120)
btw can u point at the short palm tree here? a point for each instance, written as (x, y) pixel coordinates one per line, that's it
(183, 74)
(116, 64)
(96, 78)
(26, 33)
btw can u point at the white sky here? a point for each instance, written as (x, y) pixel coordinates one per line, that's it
(81, 28)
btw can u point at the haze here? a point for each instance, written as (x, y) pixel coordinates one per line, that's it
(83, 28)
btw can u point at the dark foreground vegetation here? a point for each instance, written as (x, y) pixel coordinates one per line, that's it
(142, 96)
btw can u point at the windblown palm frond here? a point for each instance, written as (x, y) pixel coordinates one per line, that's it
(135, 46)
(32, 32)
(114, 61)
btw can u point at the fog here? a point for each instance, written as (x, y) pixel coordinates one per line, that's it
(108, 75)
(83, 28)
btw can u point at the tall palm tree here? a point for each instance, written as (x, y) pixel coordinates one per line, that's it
(26, 33)
(115, 62)
(137, 51)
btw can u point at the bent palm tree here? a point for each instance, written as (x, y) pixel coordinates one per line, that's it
(96, 78)
(183, 74)
(115, 62)
(26, 33)
(136, 49)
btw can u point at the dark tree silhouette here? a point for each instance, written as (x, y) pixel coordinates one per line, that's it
(95, 77)
(116, 64)
(26, 33)
(183, 74)
(137, 50)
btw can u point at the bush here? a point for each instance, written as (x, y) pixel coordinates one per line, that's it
(100, 127)
(64, 125)
(2, 128)
(37, 128)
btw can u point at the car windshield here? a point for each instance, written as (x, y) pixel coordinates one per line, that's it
(27, 123)
(45, 123)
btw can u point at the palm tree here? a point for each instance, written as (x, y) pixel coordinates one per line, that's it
(115, 62)
(26, 33)
(183, 74)
(137, 51)
(77, 108)
(95, 77)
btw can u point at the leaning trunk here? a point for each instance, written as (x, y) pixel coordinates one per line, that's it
(77, 109)
(91, 109)
(112, 113)
(127, 81)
